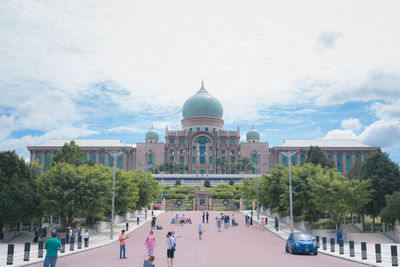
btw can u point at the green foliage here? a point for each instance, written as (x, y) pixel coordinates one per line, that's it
(207, 183)
(223, 191)
(391, 212)
(170, 167)
(18, 191)
(326, 224)
(249, 189)
(177, 182)
(356, 171)
(317, 157)
(149, 188)
(70, 153)
(385, 179)
(273, 186)
(68, 191)
(231, 181)
(180, 192)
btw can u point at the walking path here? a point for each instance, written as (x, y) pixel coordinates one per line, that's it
(234, 247)
(284, 231)
(96, 240)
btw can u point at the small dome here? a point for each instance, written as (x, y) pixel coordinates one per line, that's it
(202, 104)
(151, 134)
(253, 133)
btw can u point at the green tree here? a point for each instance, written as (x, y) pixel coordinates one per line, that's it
(391, 212)
(231, 181)
(316, 156)
(223, 191)
(356, 171)
(207, 183)
(249, 189)
(149, 188)
(69, 191)
(273, 186)
(384, 175)
(177, 182)
(18, 191)
(70, 153)
(334, 193)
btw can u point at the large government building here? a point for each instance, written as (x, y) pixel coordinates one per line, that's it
(204, 149)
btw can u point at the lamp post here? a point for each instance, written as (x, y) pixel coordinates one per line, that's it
(162, 182)
(289, 155)
(115, 155)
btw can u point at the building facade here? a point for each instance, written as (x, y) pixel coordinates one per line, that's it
(205, 148)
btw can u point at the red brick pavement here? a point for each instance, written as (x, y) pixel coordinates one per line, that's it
(236, 247)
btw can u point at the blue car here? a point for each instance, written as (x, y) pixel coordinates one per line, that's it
(301, 243)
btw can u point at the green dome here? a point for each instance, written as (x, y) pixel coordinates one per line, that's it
(151, 134)
(253, 133)
(202, 104)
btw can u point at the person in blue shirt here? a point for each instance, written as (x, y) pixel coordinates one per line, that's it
(201, 230)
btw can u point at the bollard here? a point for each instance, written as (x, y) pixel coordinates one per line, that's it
(137, 220)
(351, 245)
(71, 243)
(40, 249)
(341, 247)
(378, 253)
(324, 243)
(394, 256)
(27, 251)
(332, 244)
(127, 227)
(63, 245)
(10, 254)
(79, 242)
(363, 250)
(317, 240)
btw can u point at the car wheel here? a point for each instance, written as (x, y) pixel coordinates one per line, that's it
(316, 253)
(286, 249)
(292, 251)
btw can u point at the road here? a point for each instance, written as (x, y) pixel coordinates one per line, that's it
(235, 247)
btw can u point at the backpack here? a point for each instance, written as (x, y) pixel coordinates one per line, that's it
(159, 227)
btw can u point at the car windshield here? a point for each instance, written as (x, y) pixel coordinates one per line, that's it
(302, 237)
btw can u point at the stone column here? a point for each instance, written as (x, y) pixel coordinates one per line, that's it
(209, 203)
(241, 204)
(163, 204)
(254, 205)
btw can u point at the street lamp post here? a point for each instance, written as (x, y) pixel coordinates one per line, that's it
(289, 155)
(162, 182)
(115, 155)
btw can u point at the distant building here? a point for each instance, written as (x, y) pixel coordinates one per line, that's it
(205, 148)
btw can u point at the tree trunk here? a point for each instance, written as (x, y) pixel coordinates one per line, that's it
(373, 224)
(1, 231)
(362, 223)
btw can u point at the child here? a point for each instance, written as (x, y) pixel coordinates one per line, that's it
(149, 262)
(201, 230)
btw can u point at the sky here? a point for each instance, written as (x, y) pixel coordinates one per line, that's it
(110, 69)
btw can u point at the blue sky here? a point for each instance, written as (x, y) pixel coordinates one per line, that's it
(294, 69)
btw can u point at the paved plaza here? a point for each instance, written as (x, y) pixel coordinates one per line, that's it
(236, 246)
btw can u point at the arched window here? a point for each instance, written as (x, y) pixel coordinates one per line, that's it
(202, 141)
(255, 157)
(190, 129)
(206, 129)
(198, 128)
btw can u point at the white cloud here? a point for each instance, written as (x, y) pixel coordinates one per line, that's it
(340, 134)
(387, 111)
(383, 133)
(328, 39)
(351, 124)
(7, 126)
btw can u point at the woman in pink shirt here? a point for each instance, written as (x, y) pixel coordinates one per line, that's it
(150, 243)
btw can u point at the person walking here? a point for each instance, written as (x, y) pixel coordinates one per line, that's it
(207, 215)
(219, 224)
(149, 262)
(53, 245)
(86, 238)
(201, 229)
(36, 238)
(233, 220)
(276, 223)
(262, 224)
(170, 249)
(122, 248)
(70, 233)
(226, 221)
(204, 217)
(153, 222)
(176, 219)
(150, 243)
